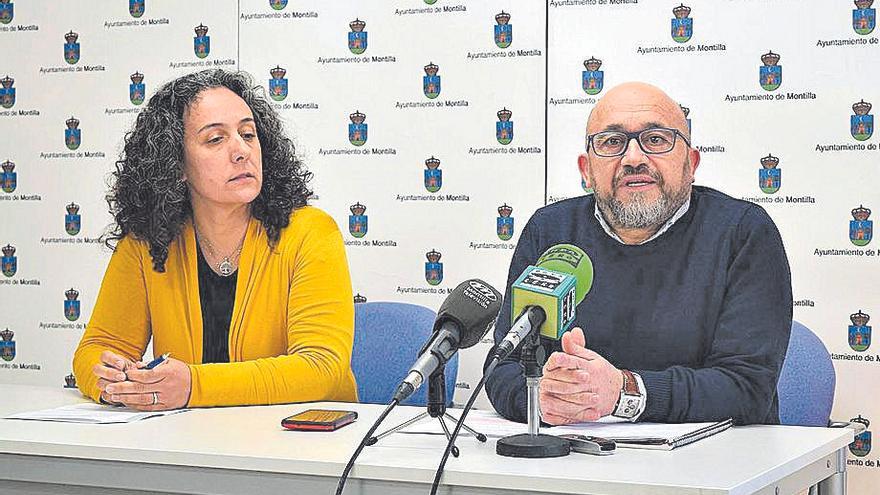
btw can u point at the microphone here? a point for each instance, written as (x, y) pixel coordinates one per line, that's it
(546, 294)
(463, 319)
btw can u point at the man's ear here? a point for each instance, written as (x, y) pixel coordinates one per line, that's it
(584, 167)
(694, 155)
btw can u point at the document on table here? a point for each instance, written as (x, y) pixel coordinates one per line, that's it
(660, 436)
(91, 413)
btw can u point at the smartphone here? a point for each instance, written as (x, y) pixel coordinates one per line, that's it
(590, 444)
(319, 420)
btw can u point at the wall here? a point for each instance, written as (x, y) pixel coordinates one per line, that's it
(803, 126)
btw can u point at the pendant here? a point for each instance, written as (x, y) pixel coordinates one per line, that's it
(225, 268)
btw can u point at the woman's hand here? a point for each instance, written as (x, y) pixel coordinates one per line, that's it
(111, 370)
(167, 386)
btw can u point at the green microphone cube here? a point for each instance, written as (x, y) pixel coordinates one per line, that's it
(554, 291)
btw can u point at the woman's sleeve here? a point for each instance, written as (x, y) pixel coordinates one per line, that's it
(320, 333)
(120, 321)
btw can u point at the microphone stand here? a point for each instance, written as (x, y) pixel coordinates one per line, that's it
(533, 444)
(436, 408)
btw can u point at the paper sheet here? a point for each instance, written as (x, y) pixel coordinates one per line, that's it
(493, 425)
(91, 413)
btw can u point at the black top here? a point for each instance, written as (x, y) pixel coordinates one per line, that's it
(702, 312)
(217, 296)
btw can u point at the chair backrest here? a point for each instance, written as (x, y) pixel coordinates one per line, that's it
(387, 339)
(806, 383)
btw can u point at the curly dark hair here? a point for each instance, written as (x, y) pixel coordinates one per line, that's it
(148, 197)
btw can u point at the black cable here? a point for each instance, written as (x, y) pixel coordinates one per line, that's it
(464, 413)
(341, 485)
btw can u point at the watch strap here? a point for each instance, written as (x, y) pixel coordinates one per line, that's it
(630, 385)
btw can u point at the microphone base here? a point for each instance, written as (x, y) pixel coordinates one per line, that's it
(532, 446)
(455, 452)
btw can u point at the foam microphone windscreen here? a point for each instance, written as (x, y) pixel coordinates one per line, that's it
(472, 307)
(570, 259)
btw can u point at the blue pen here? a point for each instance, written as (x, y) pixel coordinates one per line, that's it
(156, 362)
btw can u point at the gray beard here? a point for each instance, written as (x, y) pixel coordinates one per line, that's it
(639, 213)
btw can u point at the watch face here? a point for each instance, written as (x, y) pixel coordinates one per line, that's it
(629, 405)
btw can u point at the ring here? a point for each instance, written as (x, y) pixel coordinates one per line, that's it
(155, 398)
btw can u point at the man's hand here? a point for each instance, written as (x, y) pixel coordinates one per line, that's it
(578, 385)
(167, 386)
(111, 370)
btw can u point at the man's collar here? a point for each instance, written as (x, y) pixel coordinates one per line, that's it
(608, 230)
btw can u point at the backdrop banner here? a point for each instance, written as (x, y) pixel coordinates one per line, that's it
(435, 128)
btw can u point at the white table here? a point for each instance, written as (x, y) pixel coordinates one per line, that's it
(243, 450)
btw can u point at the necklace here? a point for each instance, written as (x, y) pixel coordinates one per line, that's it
(224, 267)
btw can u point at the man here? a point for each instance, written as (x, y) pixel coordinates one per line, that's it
(689, 315)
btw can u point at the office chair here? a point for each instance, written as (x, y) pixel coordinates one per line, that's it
(806, 382)
(387, 339)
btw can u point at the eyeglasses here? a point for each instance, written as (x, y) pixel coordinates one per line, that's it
(653, 141)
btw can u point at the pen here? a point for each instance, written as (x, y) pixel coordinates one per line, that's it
(156, 362)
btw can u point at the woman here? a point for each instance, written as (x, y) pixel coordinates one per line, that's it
(218, 258)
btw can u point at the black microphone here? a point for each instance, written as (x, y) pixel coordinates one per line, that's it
(463, 319)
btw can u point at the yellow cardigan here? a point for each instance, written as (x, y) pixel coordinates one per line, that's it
(292, 322)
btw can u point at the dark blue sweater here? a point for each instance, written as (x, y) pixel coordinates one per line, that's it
(702, 312)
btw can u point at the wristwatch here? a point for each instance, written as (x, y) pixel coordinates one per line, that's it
(631, 402)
